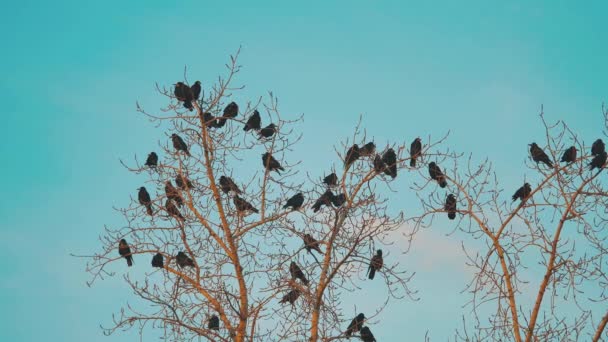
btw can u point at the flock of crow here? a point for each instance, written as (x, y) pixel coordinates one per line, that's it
(385, 163)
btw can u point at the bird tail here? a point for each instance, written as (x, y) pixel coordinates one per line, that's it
(451, 215)
(316, 207)
(129, 260)
(149, 209)
(549, 163)
(413, 162)
(372, 272)
(255, 210)
(285, 206)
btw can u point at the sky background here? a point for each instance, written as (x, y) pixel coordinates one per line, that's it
(72, 71)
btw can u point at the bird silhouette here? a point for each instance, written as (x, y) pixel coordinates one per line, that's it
(450, 206)
(522, 193)
(325, 199)
(183, 93)
(231, 110)
(268, 131)
(538, 155)
(389, 158)
(183, 182)
(291, 296)
(366, 335)
(152, 160)
(196, 90)
(569, 155)
(172, 210)
(338, 200)
(183, 260)
(271, 164)
(179, 144)
(598, 161)
(379, 165)
(367, 149)
(355, 325)
(415, 151)
(351, 156)
(144, 199)
(242, 205)
(125, 251)
(375, 264)
(436, 174)
(296, 273)
(331, 180)
(598, 147)
(173, 194)
(214, 323)
(158, 260)
(254, 122)
(311, 243)
(209, 120)
(227, 185)
(295, 202)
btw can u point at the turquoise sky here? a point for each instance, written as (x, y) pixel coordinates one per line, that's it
(72, 71)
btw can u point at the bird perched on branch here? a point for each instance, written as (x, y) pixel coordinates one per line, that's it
(158, 260)
(598, 147)
(375, 264)
(254, 122)
(436, 174)
(367, 149)
(179, 144)
(325, 199)
(267, 131)
(538, 155)
(331, 180)
(522, 193)
(366, 335)
(144, 199)
(183, 182)
(196, 90)
(296, 273)
(598, 161)
(415, 151)
(379, 165)
(355, 325)
(351, 155)
(450, 206)
(183, 260)
(183, 93)
(271, 164)
(125, 251)
(569, 155)
(172, 210)
(389, 158)
(295, 202)
(227, 185)
(311, 243)
(210, 121)
(231, 110)
(214, 323)
(152, 160)
(291, 296)
(242, 205)
(173, 194)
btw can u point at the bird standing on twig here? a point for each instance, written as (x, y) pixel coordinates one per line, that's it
(173, 194)
(366, 335)
(598, 147)
(436, 174)
(271, 164)
(351, 155)
(179, 144)
(295, 202)
(125, 251)
(311, 243)
(538, 155)
(415, 151)
(144, 199)
(254, 122)
(291, 296)
(450, 206)
(522, 193)
(172, 210)
(569, 155)
(375, 264)
(355, 325)
(152, 160)
(325, 199)
(242, 205)
(331, 180)
(183, 260)
(598, 161)
(227, 185)
(389, 158)
(158, 260)
(214, 323)
(296, 273)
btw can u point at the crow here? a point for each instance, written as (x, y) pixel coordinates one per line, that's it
(231, 110)
(270, 163)
(569, 155)
(152, 160)
(367, 149)
(291, 296)
(598, 161)
(331, 180)
(296, 273)
(196, 90)
(522, 193)
(183, 260)
(598, 147)
(366, 335)
(183, 93)
(375, 264)
(311, 243)
(125, 251)
(227, 185)
(183, 182)
(268, 131)
(351, 155)
(355, 325)
(209, 120)
(325, 199)
(538, 155)
(158, 260)
(390, 160)
(295, 202)
(172, 210)
(415, 151)
(144, 199)
(436, 174)
(214, 323)
(179, 144)
(254, 122)
(338, 200)
(173, 194)
(242, 205)
(379, 165)
(450, 206)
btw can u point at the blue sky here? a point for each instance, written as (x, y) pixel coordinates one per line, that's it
(71, 73)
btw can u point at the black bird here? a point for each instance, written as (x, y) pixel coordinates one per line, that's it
(436, 174)
(144, 199)
(295, 202)
(227, 185)
(379, 165)
(254, 121)
(183, 93)
(311, 243)
(214, 323)
(355, 325)
(522, 193)
(325, 199)
(183, 260)
(173, 194)
(296, 273)
(415, 151)
(450, 206)
(366, 335)
(598, 147)
(209, 120)
(270, 163)
(331, 180)
(231, 110)
(152, 160)
(183, 182)
(268, 131)
(351, 155)
(538, 155)
(598, 161)
(375, 264)
(367, 149)
(172, 209)
(569, 155)
(179, 144)
(158, 260)
(338, 200)
(196, 90)
(291, 296)
(390, 160)
(220, 122)
(242, 205)
(125, 251)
